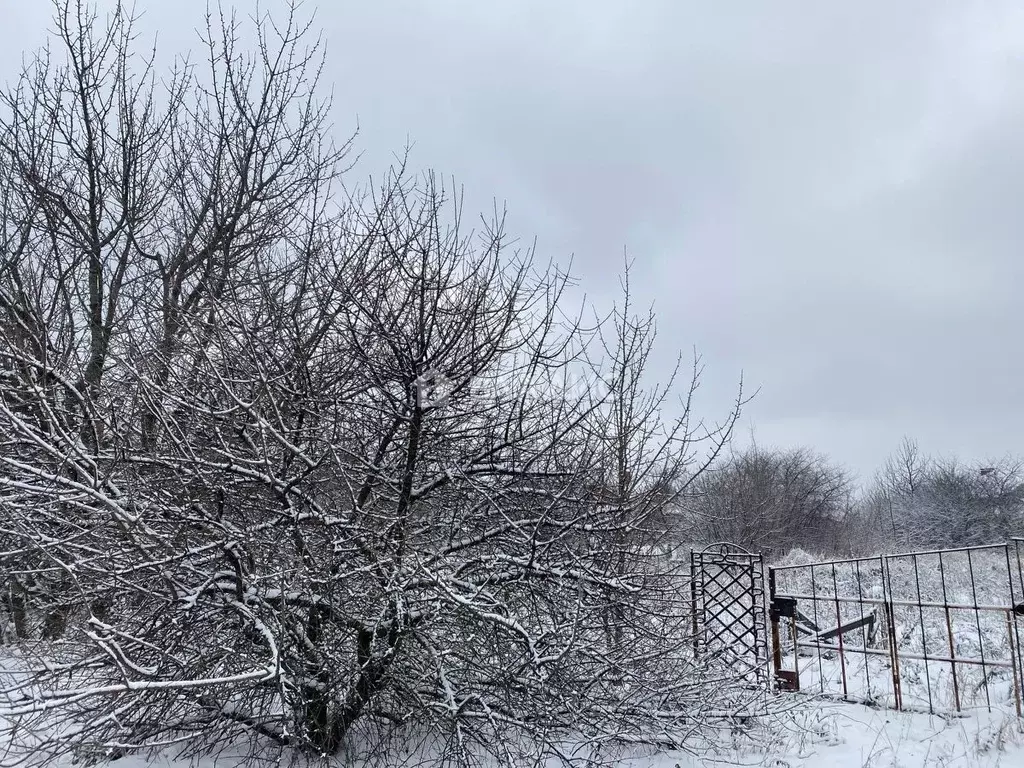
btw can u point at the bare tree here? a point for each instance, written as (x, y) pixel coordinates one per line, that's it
(647, 457)
(920, 501)
(131, 208)
(772, 501)
(958, 505)
(302, 467)
(905, 472)
(897, 487)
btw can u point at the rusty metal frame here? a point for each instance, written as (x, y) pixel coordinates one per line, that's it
(826, 596)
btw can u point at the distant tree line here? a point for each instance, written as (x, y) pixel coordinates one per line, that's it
(776, 500)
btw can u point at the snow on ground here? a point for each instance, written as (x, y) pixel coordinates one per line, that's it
(843, 735)
(818, 734)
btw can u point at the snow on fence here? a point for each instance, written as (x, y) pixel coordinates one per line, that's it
(936, 630)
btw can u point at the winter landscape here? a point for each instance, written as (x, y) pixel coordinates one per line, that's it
(304, 461)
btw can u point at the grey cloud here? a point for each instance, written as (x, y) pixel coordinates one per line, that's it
(823, 195)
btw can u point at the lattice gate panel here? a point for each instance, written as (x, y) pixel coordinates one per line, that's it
(727, 592)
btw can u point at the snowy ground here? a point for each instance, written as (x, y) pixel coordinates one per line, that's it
(842, 735)
(819, 733)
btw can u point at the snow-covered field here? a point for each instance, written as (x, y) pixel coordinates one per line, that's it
(817, 733)
(843, 735)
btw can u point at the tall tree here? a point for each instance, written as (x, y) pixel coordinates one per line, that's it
(299, 466)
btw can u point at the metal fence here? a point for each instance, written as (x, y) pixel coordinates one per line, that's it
(728, 608)
(938, 630)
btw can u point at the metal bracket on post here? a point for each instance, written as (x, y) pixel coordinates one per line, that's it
(783, 607)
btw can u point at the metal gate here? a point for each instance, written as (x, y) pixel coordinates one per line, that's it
(727, 593)
(935, 630)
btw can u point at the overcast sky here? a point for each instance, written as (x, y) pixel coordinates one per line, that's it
(825, 197)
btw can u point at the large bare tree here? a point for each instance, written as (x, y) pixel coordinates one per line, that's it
(301, 465)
